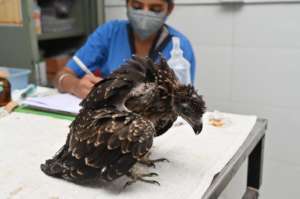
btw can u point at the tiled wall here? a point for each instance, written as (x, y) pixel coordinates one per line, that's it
(249, 62)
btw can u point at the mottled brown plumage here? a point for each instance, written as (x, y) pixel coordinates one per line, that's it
(119, 119)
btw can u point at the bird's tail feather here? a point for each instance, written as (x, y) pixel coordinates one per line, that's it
(54, 166)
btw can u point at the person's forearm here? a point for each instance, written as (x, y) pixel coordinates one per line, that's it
(68, 84)
(66, 80)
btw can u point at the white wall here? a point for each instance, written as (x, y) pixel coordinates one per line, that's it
(249, 62)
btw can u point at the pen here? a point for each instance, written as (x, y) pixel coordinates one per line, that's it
(29, 90)
(82, 65)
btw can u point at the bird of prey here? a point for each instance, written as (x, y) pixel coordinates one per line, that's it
(119, 119)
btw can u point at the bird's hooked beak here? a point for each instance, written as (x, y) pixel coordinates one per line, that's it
(196, 125)
(198, 128)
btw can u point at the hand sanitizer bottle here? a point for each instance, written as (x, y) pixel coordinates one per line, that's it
(179, 64)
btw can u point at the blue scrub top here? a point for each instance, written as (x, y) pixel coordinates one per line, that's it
(112, 44)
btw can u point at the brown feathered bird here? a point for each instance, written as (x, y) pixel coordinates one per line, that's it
(119, 119)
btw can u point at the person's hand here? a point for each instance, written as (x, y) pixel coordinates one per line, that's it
(84, 85)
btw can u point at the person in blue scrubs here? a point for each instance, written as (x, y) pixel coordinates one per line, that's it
(143, 34)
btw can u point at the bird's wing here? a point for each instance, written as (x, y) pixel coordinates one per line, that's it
(116, 86)
(101, 137)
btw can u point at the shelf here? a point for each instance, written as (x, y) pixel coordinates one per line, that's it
(59, 35)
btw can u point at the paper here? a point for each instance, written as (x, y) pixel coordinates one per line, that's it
(61, 103)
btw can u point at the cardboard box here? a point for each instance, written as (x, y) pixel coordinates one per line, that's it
(54, 64)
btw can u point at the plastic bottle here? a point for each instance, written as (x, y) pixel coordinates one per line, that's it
(179, 64)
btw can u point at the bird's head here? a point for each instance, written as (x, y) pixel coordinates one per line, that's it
(189, 105)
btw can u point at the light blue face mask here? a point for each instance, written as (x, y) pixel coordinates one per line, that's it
(145, 23)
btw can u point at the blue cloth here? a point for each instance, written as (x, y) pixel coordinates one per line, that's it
(110, 46)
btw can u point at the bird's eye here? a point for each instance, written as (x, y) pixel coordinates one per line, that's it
(186, 110)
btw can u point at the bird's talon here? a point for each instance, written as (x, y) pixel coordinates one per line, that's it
(141, 177)
(162, 160)
(150, 181)
(154, 174)
(150, 174)
(157, 183)
(154, 182)
(151, 163)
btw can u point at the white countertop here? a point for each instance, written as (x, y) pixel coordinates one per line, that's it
(28, 140)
